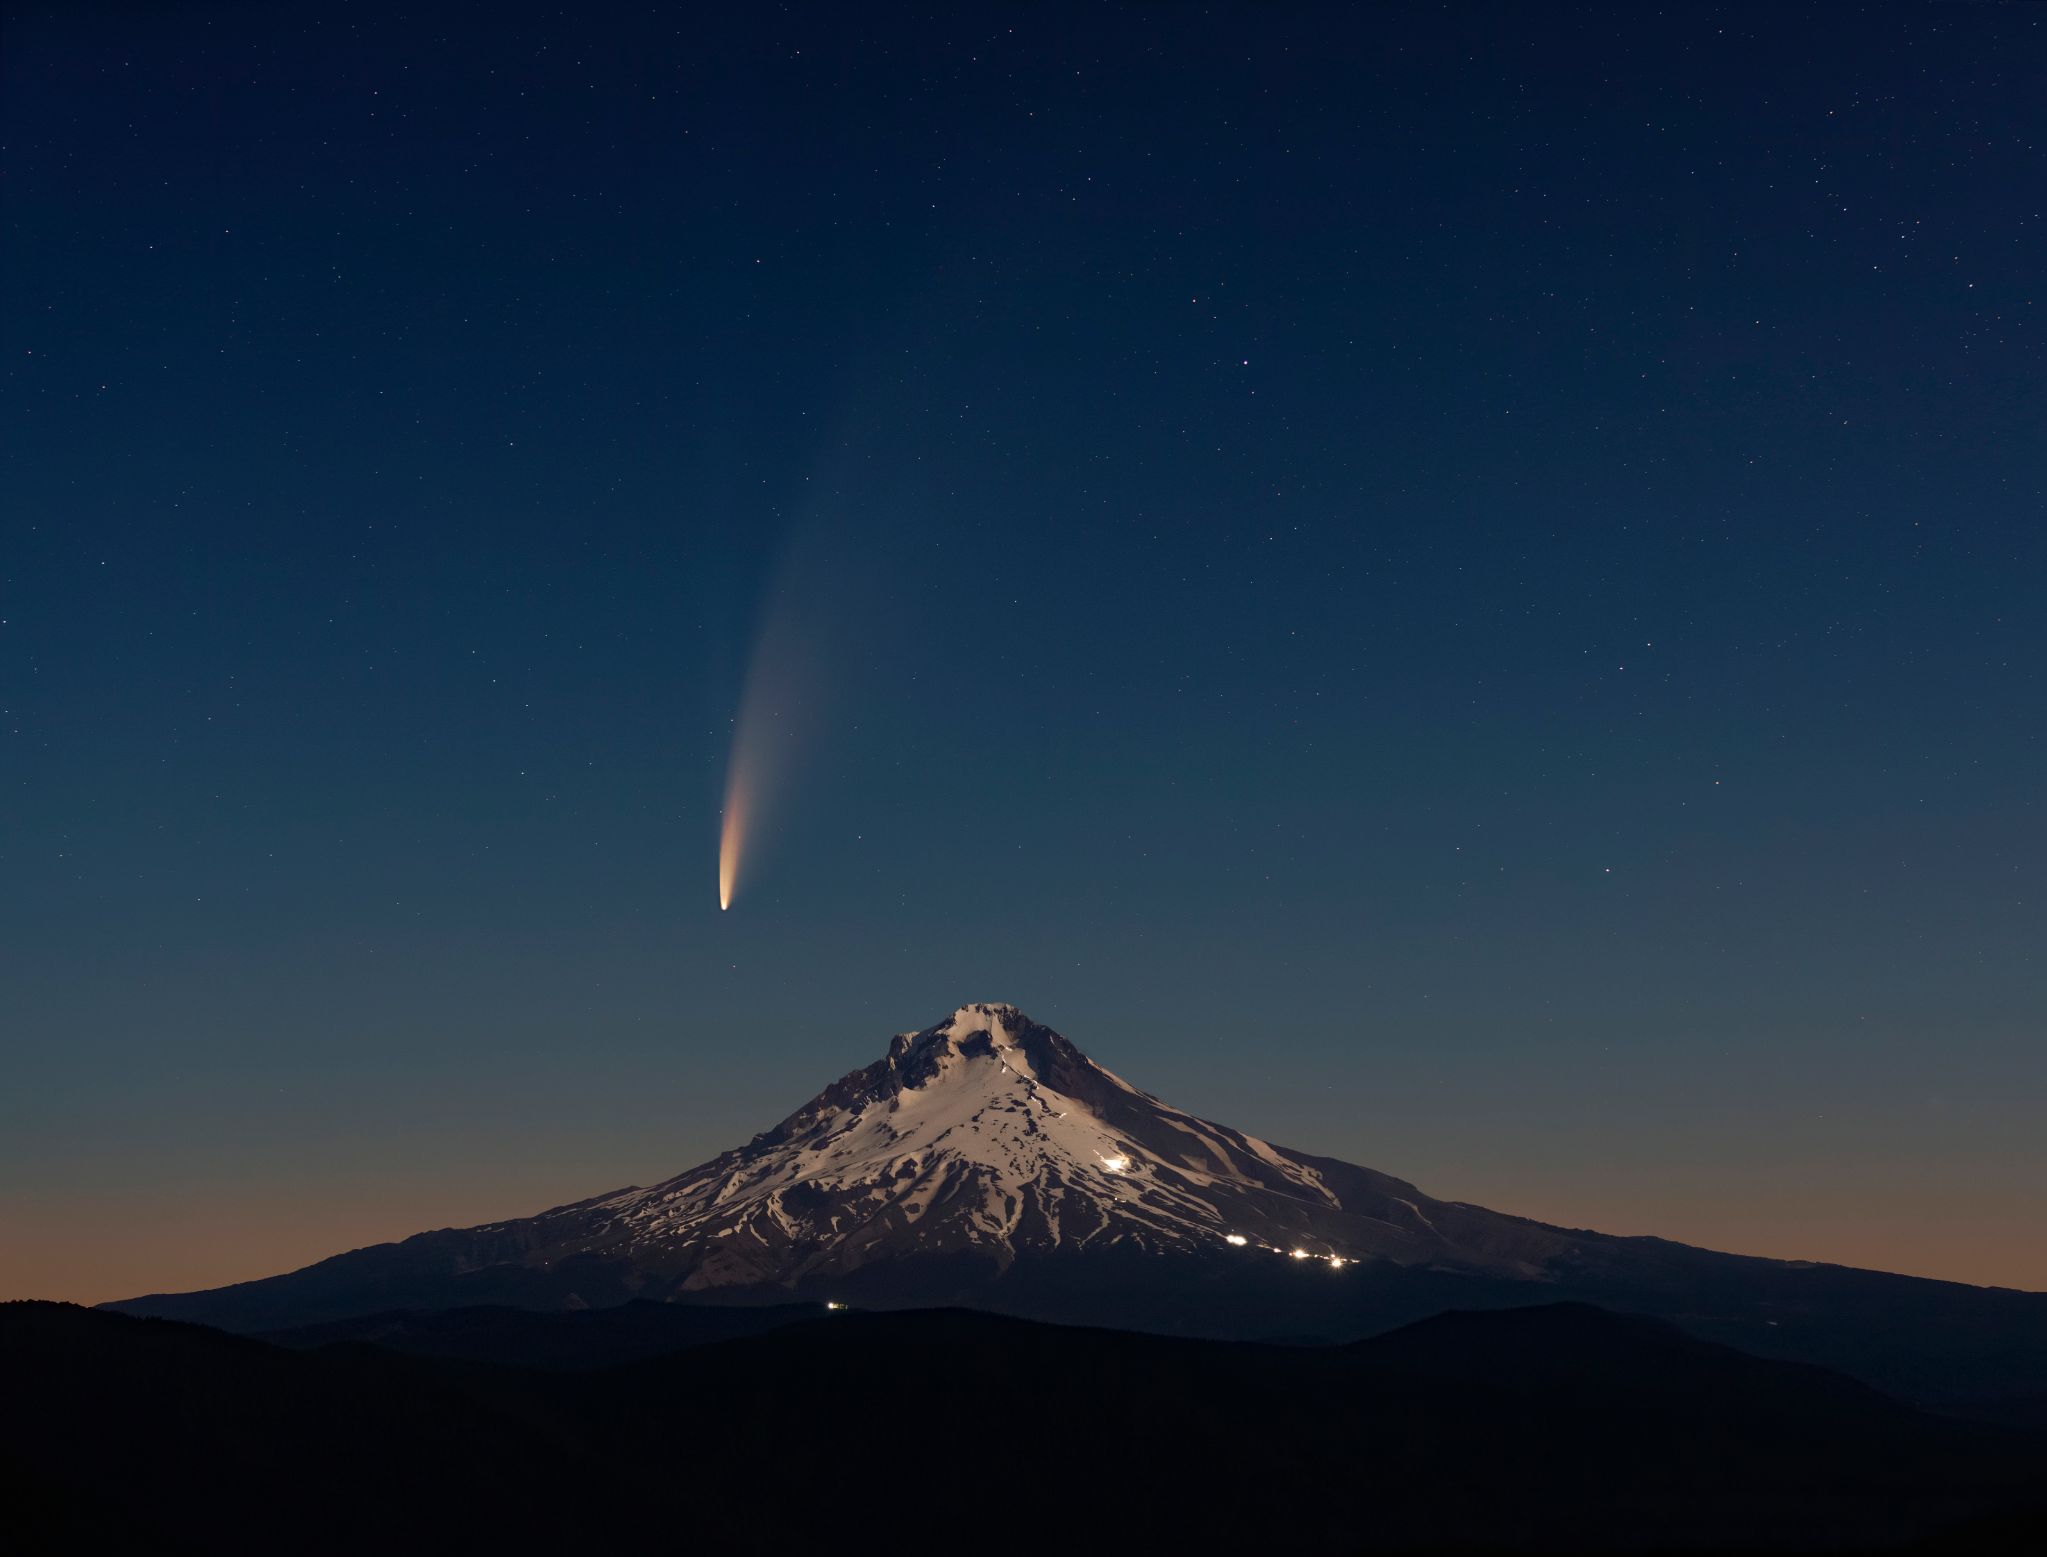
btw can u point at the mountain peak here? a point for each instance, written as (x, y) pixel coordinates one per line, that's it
(982, 1031)
(995, 1017)
(996, 1009)
(988, 1137)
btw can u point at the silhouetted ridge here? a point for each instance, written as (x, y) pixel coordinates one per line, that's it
(1552, 1429)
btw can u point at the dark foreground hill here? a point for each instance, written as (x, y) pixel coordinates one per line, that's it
(1544, 1429)
(571, 1340)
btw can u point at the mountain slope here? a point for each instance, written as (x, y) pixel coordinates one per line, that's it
(986, 1160)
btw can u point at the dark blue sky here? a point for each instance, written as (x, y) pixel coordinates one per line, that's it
(1460, 587)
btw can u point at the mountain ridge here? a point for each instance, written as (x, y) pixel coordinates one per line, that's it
(986, 1160)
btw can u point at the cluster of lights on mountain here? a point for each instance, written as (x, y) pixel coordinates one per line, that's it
(1333, 1261)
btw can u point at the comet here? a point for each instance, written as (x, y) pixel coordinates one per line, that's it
(764, 747)
(747, 778)
(731, 834)
(777, 715)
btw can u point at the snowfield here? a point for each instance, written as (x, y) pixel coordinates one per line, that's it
(990, 1134)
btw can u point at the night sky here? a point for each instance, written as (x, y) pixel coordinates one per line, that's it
(1458, 587)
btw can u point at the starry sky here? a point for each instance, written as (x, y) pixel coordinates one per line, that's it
(1459, 587)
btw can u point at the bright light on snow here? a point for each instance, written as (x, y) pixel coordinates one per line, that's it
(1115, 1164)
(1236, 1238)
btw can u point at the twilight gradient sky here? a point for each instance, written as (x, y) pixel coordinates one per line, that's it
(1460, 587)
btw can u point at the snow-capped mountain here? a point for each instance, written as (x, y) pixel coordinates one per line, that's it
(985, 1160)
(989, 1134)
(985, 1140)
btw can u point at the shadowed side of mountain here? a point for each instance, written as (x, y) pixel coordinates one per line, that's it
(1909, 1335)
(447, 1268)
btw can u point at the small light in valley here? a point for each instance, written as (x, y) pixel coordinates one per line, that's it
(1236, 1238)
(1300, 1254)
(834, 1307)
